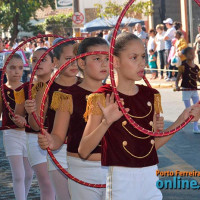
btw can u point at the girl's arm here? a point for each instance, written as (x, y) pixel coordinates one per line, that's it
(19, 118)
(193, 110)
(96, 127)
(62, 104)
(177, 80)
(34, 106)
(57, 137)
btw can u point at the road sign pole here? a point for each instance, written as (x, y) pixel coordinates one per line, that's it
(76, 9)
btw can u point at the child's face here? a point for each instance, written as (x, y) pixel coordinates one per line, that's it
(46, 65)
(190, 55)
(131, 62)
(96, 66)
(151, 52)
(14, 70)
(67, 54)
(159, 30)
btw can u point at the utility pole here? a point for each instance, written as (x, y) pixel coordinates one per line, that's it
(191, 22)
(76, 9)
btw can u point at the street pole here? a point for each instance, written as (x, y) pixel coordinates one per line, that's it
(191, 22)
(76, 9)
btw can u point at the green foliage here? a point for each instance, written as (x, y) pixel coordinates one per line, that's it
(59, 24)
(114, 9)
(14, 13)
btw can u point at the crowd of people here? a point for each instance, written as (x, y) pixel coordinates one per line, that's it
(164, 47)
(83, 125)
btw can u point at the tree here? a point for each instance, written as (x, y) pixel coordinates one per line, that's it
(59, 24)
(17, 13)
(114, 9)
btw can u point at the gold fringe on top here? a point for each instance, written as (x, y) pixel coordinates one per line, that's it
(19, 96)
(92, 105)
(37, 87)
(157, 104)
(62, 101)
(181, 69)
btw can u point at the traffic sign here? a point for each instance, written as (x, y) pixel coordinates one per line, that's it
(78, 18)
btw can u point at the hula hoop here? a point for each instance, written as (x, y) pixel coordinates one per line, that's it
(42, 118)
(130, 120)
(38, 63)
(8, 60)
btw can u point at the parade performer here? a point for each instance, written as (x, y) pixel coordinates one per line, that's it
(70, 107)
(130, 154)
(66, 78)
(189, 72)
(15, 139)
(37, 157)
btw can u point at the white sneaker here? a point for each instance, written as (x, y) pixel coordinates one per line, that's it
(168, 79)
(173, 78)
(196, 132)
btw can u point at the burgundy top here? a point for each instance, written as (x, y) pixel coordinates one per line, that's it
(50, 115)
(6, 116)
(121, 145)
(77, 123)
(189, 76)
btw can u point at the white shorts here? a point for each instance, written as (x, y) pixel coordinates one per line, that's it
(187, 95)
(88, 171)
(35, 154)
(124, 183)
(61, 157)
(15, 142)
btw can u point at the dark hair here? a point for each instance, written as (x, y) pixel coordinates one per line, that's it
(186, 50)
(177, 25)
(15, 56)
(151, 50)
(45, 49)
(152, 31)
(89, 42)
(122, 40)
(179, 33)
(59, 49)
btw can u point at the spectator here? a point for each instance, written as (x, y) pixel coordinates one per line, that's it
(151, 44)
(40, 44)
(178, 27)
(29, 47)
(197, 44)
(180, 45)
(169, 35)
(140, 33)
(152, 63)
(160, 47)
(46, 42)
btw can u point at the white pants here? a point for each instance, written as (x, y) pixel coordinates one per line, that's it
(61, 157)
(14, 142)
(88, 171)
(125, 183)
(35, 154)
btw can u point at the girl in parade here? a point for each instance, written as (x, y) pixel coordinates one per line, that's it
(69, 121)
(37, 156)
(189, 72)
(130, 155)
(15, 139)
(66, 78)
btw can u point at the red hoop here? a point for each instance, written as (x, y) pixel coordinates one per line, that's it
(130, 120)
(42, 118)
(8, 60)
(38, 63)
